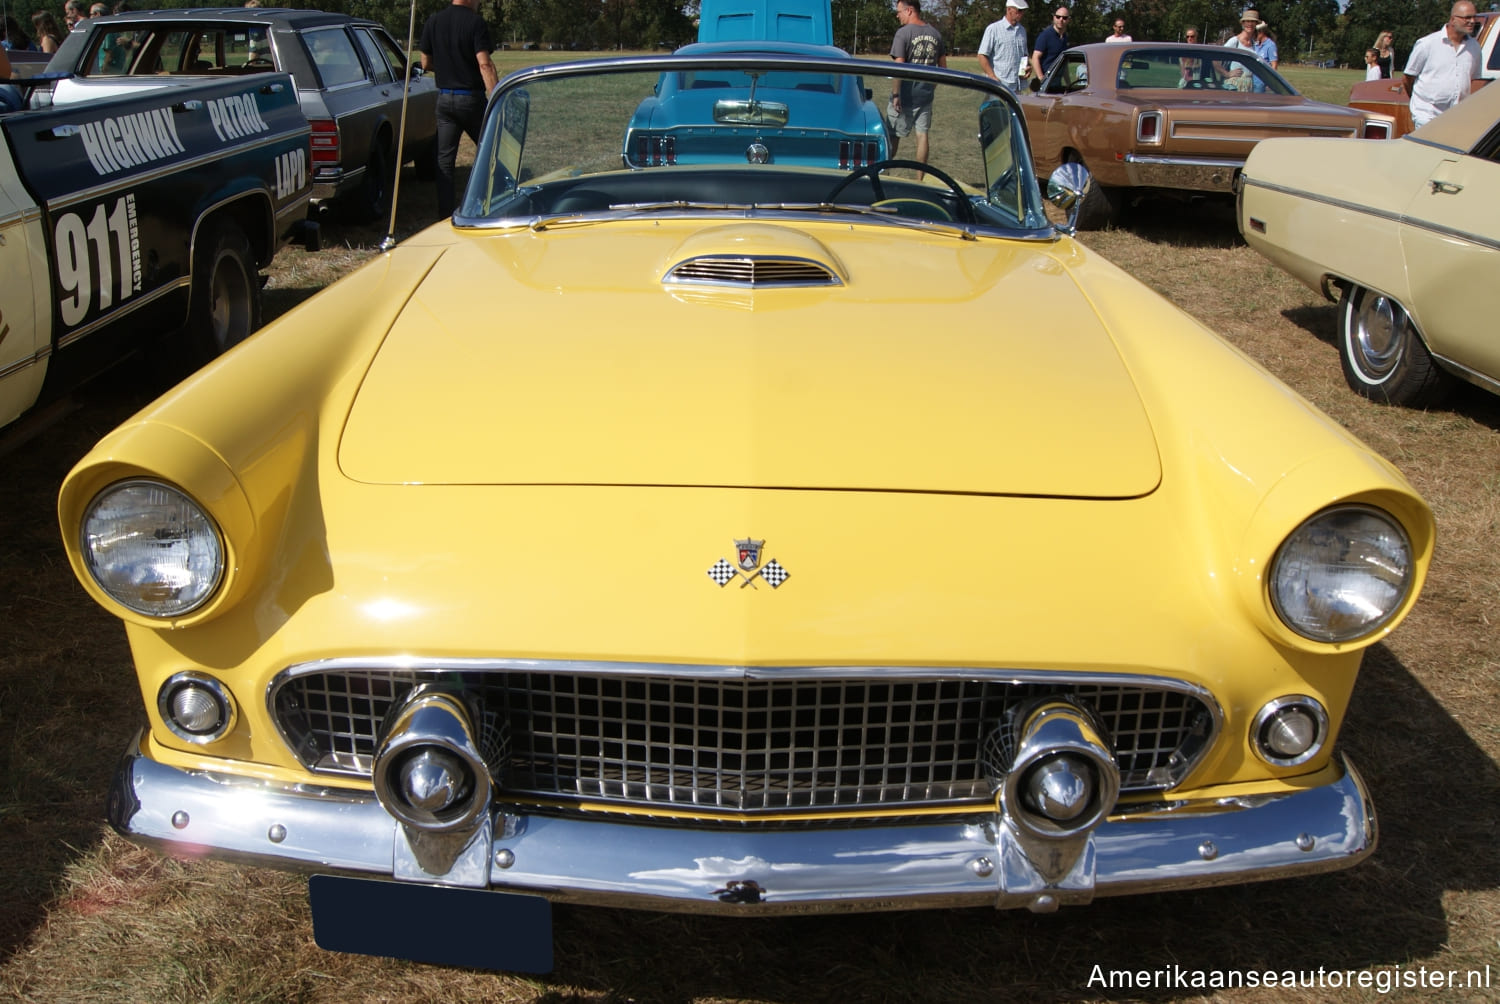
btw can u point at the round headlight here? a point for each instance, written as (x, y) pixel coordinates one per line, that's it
(152, 549)
(1342, 574)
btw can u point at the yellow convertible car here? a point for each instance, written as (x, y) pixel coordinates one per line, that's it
(744, 538)
(1405, 235)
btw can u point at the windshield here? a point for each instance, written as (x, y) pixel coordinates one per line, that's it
(761, 134)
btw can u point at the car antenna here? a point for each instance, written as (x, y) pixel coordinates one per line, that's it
(390, 233)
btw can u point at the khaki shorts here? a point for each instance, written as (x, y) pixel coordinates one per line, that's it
(907, 119)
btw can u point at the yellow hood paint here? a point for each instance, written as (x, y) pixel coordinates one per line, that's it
(629, 380)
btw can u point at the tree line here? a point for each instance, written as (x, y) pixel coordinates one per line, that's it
(1304, 29)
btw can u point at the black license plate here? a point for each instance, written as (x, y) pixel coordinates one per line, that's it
(446, 926)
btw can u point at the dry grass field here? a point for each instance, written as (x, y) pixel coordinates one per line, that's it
(85, 916)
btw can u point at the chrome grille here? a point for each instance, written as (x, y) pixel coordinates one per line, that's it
(741, 745)
(755, 272)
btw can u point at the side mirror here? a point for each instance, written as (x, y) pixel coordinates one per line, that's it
(1035, 85)
(1066, 188)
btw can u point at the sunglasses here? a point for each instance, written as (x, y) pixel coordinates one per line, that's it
(1061, 17)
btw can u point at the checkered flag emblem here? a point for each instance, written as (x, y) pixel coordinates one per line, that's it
(722, 572)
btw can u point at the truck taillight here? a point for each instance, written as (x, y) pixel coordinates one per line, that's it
(1376, 130)
(325, 141)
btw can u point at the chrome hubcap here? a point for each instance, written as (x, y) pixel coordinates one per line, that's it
(1378, 334)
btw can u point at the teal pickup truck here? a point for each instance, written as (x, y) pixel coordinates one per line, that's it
(127, 219)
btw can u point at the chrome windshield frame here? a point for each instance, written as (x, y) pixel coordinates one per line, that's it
(763, 62)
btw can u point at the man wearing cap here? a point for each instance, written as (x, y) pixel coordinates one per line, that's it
(1002, 51)
(1440, 70)
(1050, 42)
(456, 48)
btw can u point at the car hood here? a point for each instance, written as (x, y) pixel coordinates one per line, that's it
(930, 363)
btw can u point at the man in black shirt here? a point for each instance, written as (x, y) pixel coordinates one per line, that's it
(456, 47)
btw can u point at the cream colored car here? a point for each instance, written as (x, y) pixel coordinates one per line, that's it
(1404, 234)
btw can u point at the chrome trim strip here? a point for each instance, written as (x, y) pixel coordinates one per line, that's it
(1422, 141)
(133, 181)
(418, 664)
(29, 213)
(1490, 383)
(1163, 160)
(1466, 236)
(1310, 131)
(134, 304)
(36, 357)
(948, 862)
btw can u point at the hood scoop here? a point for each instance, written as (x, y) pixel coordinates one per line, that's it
(751, 273)
(753, 256)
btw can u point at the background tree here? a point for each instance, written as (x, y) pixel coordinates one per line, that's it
(1408, 20)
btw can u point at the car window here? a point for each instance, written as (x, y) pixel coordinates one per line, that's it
(1070, 74)
(394, 57)
(146, 51)
(333, 54)
(116, 52)
(252, 49)
(378, 67)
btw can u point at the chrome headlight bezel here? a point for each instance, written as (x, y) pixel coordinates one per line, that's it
(1266, 718)
(1343, 574)
(118, 560)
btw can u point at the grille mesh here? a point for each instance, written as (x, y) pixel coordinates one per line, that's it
(740, 745)
(725, 270)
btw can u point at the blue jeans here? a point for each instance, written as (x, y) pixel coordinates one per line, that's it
(457, 114)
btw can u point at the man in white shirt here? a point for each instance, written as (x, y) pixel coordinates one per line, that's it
(1003, 52)
(1442, 65)
(1119, 35)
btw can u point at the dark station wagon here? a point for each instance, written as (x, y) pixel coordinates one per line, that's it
(348, 73)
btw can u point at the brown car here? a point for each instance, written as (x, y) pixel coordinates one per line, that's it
(1389, 96)
(1171, 117)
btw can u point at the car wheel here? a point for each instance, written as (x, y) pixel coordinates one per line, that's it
(1382, 354)
(1100, 206)
(225, 302)
(373, 197)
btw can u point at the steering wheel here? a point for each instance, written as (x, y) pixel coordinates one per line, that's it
(872, 171)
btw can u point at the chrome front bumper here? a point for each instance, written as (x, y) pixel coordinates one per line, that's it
(602, 860)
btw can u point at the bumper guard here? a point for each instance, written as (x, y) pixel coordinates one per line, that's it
(967, 861)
